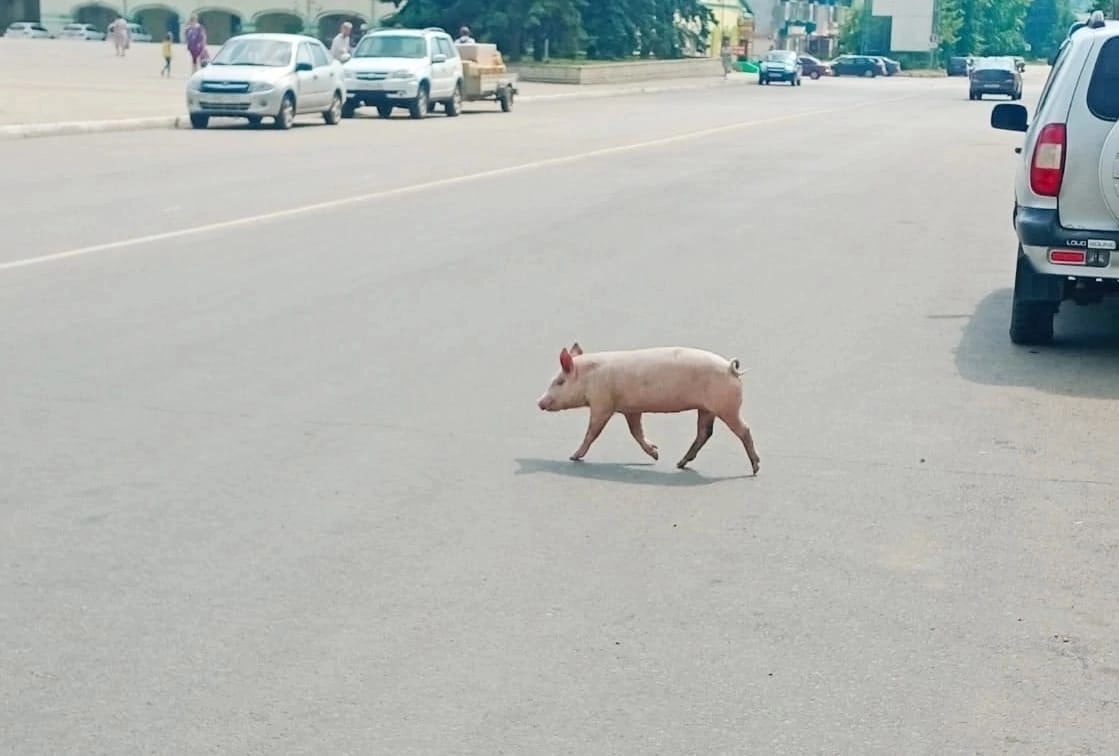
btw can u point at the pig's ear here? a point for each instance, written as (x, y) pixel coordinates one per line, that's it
(566, 362)
(576, 350)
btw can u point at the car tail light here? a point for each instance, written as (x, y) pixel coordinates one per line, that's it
(1047, 168)
(1066, 257)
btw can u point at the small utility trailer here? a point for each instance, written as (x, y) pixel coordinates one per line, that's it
(498, 87)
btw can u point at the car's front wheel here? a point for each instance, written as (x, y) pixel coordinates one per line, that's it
(418, 107)
(285, 117)
(814, 75)
(199, 120)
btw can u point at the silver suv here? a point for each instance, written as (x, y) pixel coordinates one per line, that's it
(1066, 194)
(404, 68)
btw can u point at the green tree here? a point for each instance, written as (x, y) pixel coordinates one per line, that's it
(1046, 23)
(991, 27)
(949, 20)
(609, 30)
(514, 25)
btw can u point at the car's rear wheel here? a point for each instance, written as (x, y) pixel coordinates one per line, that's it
(285, 117)
(453, 106)
(199, 121)
(333, 115)
(384, 111)
(814, 75)
(254, 122)
(349, 109)
(1031, 320)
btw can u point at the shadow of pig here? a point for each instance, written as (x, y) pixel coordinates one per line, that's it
(638, 473)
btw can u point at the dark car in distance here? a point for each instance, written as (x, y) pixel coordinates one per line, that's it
(958, 65)
(813, 67)
(857, 65)
(995, 76)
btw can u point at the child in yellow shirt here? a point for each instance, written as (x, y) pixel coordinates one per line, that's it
(166, 56)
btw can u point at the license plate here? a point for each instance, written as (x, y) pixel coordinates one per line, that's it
(221, 99)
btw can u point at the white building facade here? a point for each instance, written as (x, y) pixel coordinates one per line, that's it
(222, 18)
(913, 24)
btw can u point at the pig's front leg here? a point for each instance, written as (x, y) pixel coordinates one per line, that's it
(633, 419)
(599, 418)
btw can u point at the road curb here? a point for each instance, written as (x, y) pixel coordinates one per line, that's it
(70, 128)
(73, 128)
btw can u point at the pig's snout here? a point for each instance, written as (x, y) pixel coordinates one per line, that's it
(545, 402)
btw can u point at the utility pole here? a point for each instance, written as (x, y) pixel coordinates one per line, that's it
(868, 14)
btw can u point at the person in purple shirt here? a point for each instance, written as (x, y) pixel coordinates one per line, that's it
(195, 37)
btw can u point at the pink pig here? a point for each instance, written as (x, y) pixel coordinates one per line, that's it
(660, 379)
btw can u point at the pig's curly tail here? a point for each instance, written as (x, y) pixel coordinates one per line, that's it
(737, 369)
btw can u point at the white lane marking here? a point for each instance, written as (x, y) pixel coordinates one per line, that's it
(435, 184)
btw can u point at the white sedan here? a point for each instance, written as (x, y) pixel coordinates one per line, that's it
(27, 30)
(257, 76)
(87, 32)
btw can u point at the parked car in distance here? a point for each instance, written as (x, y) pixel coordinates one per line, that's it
(813, 67)
(890, 65)
(1066, 196)
(27, 30)
(138, 33)
(257, 76)
(780, 65)
(404, 68)
(958, 65)
(995, 76)
(81, 31)
(857, 65)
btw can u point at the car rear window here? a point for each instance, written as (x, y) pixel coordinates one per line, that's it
(1103, 89)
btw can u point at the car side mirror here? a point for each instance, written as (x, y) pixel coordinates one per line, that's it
(1009, 117)
(438, 58)
(303, 66)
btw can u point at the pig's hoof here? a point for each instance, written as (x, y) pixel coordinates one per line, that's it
(682, 464)
(653, 452)
(575, 458)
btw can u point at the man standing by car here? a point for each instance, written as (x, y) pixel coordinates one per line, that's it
(340, 47)
(464, 37)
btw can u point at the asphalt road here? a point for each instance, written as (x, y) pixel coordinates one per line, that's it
(269, 489)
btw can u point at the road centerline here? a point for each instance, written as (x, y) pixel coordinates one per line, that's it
(441, 183)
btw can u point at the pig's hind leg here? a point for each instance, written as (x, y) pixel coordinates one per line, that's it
(705, 426)
(742, 431)
(598, 421)
(633, 419)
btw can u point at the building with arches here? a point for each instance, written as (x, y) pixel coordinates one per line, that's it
(222, 18)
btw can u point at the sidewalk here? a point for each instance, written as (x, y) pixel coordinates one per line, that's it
(85, 83)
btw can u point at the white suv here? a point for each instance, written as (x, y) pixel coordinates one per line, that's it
(1066, 195)
(404, 68)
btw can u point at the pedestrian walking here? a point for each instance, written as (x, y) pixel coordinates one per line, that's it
(195, 35)
(167, 48)
(340, 47)
(727, 56)
(118, 30)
